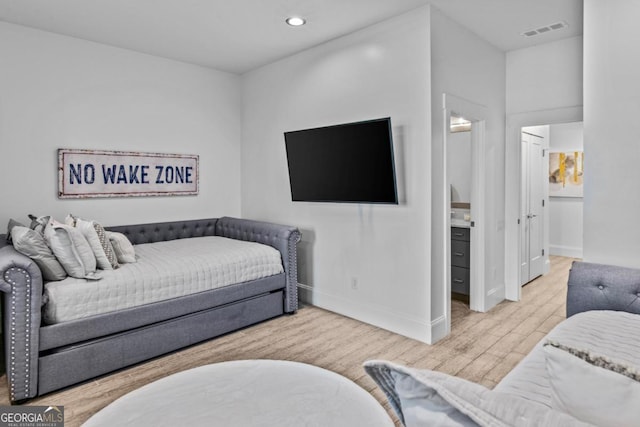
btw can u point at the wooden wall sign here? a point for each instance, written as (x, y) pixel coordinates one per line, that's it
(95, 173)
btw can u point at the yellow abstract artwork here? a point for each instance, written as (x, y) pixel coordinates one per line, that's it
(566, 174)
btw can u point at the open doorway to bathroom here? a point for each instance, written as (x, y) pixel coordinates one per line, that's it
(460, 166)
(461, 243)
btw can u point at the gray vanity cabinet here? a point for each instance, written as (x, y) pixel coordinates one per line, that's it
(460, 260)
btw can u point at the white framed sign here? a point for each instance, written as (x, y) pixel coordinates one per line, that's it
(96, 173)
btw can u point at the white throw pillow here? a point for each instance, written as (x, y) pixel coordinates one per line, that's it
(32, 244)
(591, 387)
(122, 247)
(422, 397)
(71, 248)
(88, 230)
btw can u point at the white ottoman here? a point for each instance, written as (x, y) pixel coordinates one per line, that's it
(247, 393)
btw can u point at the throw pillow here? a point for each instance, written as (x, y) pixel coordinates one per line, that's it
(429, 398)
(71, 248)
(70, 220)
(39, 223)
(122, 247)
(592, 387)
(32, 244)
(89, 232)
(106, 245)
(12, 223)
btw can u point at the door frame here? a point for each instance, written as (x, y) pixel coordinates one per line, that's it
(477, 114)
(513, 185)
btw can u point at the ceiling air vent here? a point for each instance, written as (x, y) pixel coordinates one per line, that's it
(545, 29)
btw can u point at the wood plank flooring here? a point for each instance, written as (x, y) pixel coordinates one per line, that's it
(483, 347)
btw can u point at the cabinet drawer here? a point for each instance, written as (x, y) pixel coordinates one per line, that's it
(459, 233)
(460, 253)
(460, 280)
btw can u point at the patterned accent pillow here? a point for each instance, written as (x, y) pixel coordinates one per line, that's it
(592, 387)
(600, 361)
(106, 245)
(39, 223)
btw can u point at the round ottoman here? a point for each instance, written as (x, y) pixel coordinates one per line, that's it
(247, 393)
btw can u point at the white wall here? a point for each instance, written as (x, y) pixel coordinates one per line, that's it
(611, 129)
(565, 213)
(544, 86)
(380, 71)
(62, 92)
(545, 76)
(470, 68)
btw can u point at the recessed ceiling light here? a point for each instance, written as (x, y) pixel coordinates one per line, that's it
(295, 21)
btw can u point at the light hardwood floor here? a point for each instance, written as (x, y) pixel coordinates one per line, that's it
(483, 347)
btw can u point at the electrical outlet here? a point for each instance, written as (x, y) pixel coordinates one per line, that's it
(354, 283)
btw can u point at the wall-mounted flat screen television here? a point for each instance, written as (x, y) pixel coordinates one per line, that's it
(351, 163)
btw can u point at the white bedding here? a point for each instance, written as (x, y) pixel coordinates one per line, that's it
(164, 270)
(610, 333)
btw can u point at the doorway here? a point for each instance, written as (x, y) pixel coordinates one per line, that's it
(474, 117)
(513, 196)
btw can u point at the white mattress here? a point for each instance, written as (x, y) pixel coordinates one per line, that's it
(164, 270)
(609, 333)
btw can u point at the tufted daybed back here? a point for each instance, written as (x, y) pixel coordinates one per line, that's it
(602, 287)
(159, 232)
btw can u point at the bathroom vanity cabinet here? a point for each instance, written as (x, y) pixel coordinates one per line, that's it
(460, 260)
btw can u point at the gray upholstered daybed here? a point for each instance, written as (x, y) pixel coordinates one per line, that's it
(41, 357)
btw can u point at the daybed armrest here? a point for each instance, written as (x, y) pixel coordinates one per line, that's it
(281, 237)
(21, 282)
(602, 287)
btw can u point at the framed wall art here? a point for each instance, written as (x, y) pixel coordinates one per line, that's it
(566, 171)
(97, 173)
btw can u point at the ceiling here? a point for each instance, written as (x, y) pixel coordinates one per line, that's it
(240, 35)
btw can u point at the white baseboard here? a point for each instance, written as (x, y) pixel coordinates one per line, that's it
(568, 251)
(381, 317)
(438, 329)
(495, 296)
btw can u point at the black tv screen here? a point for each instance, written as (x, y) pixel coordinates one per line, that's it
(351, 162)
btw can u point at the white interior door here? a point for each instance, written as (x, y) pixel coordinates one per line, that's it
(532, 203)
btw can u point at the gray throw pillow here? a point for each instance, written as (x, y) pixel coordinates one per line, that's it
(32, 244)
(12, 223)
